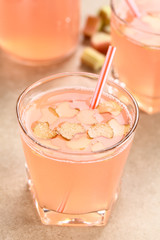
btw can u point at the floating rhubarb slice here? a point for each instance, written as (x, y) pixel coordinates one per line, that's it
(100, 130)
(68, 130)
(42, 130)
(98, 146)
(92, 25)
(118, 129)
(53, 111)
(101, 41)
(48, 115)
(64, 110)
(79, 144)
(87, 117)
(110, 106)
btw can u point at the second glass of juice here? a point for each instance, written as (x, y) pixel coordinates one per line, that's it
(41, 31)
(137, 58)
(75, 155)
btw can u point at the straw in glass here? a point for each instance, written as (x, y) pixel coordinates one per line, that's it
(62, 205)
(133, 7)
(103, 77)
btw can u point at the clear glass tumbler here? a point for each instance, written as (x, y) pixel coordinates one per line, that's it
(84, 185)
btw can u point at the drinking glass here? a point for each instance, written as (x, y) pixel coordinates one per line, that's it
(137, 58)
(84, 185)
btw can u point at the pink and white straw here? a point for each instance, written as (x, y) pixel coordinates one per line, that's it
(103, 77)
(133, 7)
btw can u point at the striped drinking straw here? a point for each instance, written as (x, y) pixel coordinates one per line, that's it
(133, 7)
(103, 77)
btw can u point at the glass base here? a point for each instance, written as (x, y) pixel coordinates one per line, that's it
(50, 217)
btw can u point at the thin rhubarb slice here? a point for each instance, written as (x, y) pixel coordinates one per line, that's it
(68, 130)
(110, 107)
(64, 110)
(100, 130)
(42, 130)
(53, 111)
(118, 129)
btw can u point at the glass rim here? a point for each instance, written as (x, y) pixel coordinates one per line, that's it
(128, 24)
(83, 74)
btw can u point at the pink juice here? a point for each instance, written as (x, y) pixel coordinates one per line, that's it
(39, 30)
(87, 182)
(137, 58)
(75, 155)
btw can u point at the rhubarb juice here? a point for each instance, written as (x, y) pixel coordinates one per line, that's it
(76, 155)
(40, 30)
(137, 58)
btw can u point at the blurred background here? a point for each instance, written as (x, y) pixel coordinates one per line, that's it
(137, 212)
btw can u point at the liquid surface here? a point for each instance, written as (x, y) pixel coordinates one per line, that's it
(145, 29)
(62, 120)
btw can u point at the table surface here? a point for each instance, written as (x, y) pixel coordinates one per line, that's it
(137, 212)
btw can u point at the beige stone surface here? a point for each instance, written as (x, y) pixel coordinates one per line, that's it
(136, 215)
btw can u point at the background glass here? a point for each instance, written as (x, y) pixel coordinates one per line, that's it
(137, 58)
(39, 31)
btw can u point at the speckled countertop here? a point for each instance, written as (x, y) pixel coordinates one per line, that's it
(136, 215)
